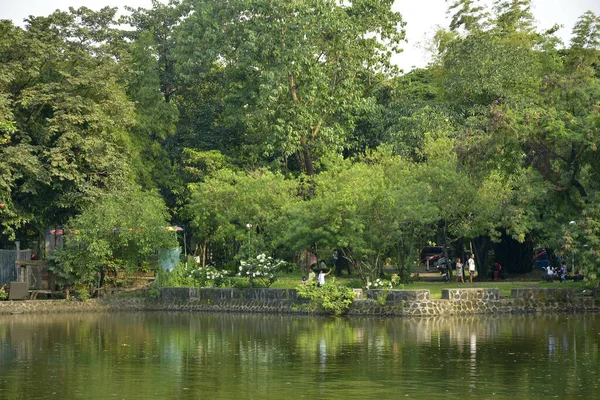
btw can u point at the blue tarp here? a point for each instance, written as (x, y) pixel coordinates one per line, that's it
(168, 258)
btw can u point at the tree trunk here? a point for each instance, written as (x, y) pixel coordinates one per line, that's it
(308, 162)
(204, 253)
(481, 248)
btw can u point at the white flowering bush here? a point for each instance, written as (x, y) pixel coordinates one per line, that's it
(208, 276)
(380, 284)
(384, 285)
(261, 269)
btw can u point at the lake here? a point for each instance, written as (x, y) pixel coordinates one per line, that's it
(256, 356)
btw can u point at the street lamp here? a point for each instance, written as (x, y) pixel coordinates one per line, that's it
(249, 226)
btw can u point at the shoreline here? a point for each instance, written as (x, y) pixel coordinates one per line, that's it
(395, 303)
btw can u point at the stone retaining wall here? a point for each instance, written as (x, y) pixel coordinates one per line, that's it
(248, 294)
(471, 294)
(178, 294)
(410, 303)
(544, 295)
(52, 306)
(397, 296)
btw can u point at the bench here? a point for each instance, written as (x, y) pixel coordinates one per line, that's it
(33, 294)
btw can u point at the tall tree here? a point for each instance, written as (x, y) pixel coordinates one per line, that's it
(468, 14)
(159, 24)
(243, 206)
(156, 118)
(585, 44)
(586, 32)
(294, 67)
(513, 16)
(65, 116)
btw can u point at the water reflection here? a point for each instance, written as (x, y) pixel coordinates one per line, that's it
(180, 355)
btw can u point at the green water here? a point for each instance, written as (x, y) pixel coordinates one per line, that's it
(216, 356)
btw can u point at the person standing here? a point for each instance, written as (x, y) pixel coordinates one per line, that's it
(471, 265)
(497, 269)
(459, 271)
(312, 277)
(336, 264)
(322, 276)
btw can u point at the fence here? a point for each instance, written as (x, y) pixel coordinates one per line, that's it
(8, 258)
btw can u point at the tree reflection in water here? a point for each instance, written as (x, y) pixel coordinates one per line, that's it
(167, 355)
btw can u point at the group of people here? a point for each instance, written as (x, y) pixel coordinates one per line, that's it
(314, 278)
(560, 272)
(461, 270)
(319, 278)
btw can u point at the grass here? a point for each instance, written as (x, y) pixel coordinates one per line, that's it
(292, 280)
(429, 281)
(505, 287)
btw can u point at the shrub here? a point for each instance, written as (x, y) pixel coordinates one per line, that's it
(331, 298)
(194, 275)
(239, 283)
(154, 293)
(82, 292)
(379, 284)
(180, 276)
(261, 269)
(209, 276)
(382, 297)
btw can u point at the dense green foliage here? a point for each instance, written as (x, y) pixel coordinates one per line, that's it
(64, 118)
(283, 128)
(121, 230)
(192, 275)
(331, 298)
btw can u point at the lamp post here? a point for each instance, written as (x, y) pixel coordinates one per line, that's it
(249, 226)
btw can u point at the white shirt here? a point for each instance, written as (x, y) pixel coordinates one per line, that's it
(321, 278)
(471, 264)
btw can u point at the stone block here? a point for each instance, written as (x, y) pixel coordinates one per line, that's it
(398, 296)
(178, 294)
(471, 294)
(543, 295)
(18, 291)
(269, 294)
(219, 293)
